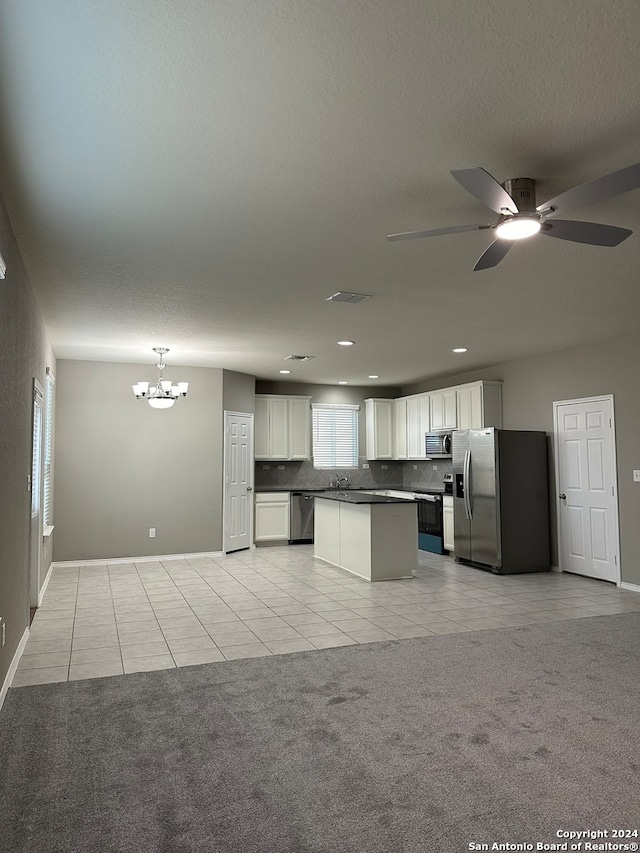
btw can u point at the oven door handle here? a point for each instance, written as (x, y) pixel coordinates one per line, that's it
(467, 483)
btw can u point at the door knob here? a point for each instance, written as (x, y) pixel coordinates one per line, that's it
(562, 497)
(249, 488)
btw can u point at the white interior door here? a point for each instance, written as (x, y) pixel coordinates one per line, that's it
(587, 489)
(238, 478)
(35, 524)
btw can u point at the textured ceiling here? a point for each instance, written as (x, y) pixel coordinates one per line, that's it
(203, 175)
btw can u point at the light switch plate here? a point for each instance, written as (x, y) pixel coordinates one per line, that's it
(636, 476)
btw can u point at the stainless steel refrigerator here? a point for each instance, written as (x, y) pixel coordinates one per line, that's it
(501, 499)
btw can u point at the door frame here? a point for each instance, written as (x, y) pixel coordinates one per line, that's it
(225, 492)
(35, 536)
(614, 475)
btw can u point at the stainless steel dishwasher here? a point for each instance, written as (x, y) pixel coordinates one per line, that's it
(300, 518)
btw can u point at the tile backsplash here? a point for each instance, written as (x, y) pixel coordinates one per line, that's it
(379, 475)
(425, 475)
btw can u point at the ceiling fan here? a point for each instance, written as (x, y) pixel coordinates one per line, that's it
(515, 202)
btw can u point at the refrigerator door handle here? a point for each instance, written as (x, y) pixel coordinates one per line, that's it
(467, 483)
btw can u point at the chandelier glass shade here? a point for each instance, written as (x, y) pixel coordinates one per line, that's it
(164, 393)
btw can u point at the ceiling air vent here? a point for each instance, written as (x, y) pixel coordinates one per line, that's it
(299, 357)
(353, 298)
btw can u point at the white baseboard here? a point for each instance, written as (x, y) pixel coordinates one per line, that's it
(13, 666)
(115, 561)
(556, 569)
(633, 587)
(43, 588)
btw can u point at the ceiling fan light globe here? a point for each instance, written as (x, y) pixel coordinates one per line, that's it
(518, 228)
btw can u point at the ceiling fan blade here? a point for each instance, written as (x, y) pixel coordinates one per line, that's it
(485, 188)
(494, 254)
(456, 229)
(585, 232)
(615, 183)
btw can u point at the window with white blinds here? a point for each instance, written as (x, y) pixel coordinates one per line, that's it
(47, 502)
(335, 435)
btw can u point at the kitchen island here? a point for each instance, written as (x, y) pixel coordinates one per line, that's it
(372, 536)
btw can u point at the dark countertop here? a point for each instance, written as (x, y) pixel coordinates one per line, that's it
(305, 489)
(356, 497)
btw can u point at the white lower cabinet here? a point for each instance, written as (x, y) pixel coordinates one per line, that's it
(447, 522)
(272, 517)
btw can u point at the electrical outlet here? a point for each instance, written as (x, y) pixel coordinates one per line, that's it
(435, 467)
(280, 467)
(3, 633)
(636, 476)
(415, 467)
(365, 465)
(384, 467)
(152, 533)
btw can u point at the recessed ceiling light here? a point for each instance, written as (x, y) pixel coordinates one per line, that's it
(345, 343)
(343, 382)
(285, 371)
(460, 349)
(373, 376)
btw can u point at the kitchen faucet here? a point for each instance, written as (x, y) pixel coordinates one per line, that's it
(344, 480)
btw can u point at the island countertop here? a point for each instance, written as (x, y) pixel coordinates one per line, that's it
(355, 497)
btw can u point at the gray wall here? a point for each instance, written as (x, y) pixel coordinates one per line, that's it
(532, 385)
(25, 353)
(123, 467)
(238, 392)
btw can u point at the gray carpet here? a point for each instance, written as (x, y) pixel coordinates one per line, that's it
(429, 744)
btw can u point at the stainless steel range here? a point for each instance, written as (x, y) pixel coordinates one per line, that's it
(430, 536)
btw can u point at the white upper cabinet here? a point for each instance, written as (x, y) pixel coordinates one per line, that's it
(299, 410)
(379, 428)
(443, 409)
(418, 423)
(400, 428)
(479, 405)
(282, 427)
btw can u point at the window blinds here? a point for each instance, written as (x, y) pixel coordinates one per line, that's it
(335, 435)
(48, 450)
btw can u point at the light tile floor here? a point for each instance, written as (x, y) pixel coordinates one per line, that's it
(123, 618)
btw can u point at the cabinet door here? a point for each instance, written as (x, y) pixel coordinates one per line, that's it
(379, 415)
(470, 411)
(261, 428)
(278, 428)
(449, 409)
(299, 428)
(447, 525)
(272, 517)
(425, 421)
(436, 411)
(400, 429)
(415, 443)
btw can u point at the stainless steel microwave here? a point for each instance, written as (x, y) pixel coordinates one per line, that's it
(438, 445)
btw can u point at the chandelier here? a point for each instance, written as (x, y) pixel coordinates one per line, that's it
(163, 394)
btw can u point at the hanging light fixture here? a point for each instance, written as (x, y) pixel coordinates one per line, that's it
(163, 394)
